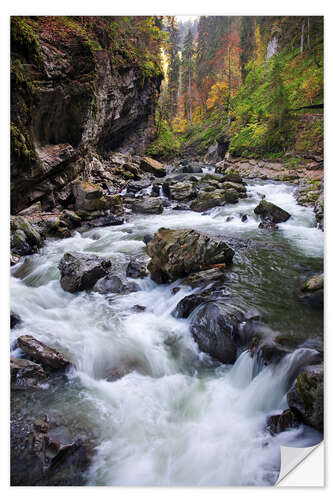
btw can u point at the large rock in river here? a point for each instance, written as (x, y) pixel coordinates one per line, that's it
(89, 197)
(312, 291)
(175, 253)
(268, 210)
(215, 327)
(25, 374)
(80, 271)
(306, 396)
(148, 206)
(153, 167)
(43, 353)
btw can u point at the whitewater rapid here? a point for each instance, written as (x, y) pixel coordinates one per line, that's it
(177, 417)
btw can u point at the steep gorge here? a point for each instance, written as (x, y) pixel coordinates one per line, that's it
(74, 98)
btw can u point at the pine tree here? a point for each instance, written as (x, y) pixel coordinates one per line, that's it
(187, 74)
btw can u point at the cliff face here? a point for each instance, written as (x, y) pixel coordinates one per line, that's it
(73, 97)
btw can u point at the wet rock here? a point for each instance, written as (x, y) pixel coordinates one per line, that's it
(176, 253)
(148, 206)
(182, 191)
(107, 220)
(282, 422)
(115, 284)
(215, 328)
(15, 319)
(33, 209)
(147, 238)
(238, 187)
(152, 166)
(191, 169)
(138, 308)
(80, 271)
(71, 219)
(269, 352)
(54, 457)
(14, 259)
(204, 278)
(244, 218)
(136, 269)
(268, 225)
(25, 239)
(90, 198)
(234, 178)
(229, 218)
(319, 210)
(42, 353)
(306, 396)
(135, 187)
(188, 304)
(268, 210)
(231, 196)
(312, 291)
(180, 207)
(208, 199)
(25, 374)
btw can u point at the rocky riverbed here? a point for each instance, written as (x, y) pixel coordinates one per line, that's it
(182, 307)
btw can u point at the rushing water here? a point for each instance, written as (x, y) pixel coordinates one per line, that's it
(177, 417)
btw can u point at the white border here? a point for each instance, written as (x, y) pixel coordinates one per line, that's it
(131, 7)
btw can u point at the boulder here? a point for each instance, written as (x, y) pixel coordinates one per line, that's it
(182, 191)
(152, 166)
(147, 238)
(136, 269)
(90, 198)
(42, 353)
(115, 284)
(80, 271)
(234, 186)
(282, 422)
(207, 200)
(215, 327)
(25, 374)
(148, 206)
(188, 304)
(71, 219)
(135, 187)
(268, 225)
(33, 209)
(25, 239)
(106, 220)
(175, 253)
(319, 210)
(15, 320)
(204, 278)
(312, 291)
(231, 196)
(306, 396)
(191, 169)
(234, 178)
(268, 210)
(55, 456)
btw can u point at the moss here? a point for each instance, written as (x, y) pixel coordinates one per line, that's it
(25, 41)
(21, 147)
(305, 387)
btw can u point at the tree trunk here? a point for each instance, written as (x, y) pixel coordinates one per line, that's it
(190, 94)
(229, 86)
(309, 33)
(302, 37)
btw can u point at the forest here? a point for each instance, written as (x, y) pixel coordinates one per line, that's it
(252, 81)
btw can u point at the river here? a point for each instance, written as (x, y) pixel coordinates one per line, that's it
(178, 417)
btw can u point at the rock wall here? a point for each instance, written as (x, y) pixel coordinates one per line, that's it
(71, 101)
